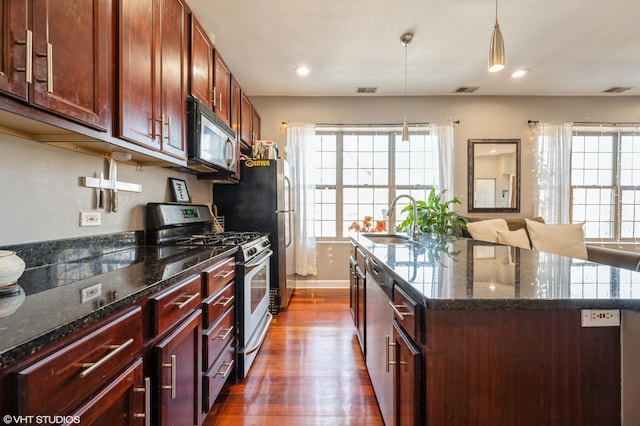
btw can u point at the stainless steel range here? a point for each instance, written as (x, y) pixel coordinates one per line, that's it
(175, 224)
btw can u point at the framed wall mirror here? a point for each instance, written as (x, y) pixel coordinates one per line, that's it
(494, 175)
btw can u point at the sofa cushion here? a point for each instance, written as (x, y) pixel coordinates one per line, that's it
(513, 223)
(485, 230)
(614, 257)
(565, 240)
(517, 238)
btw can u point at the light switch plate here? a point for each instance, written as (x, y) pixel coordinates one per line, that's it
(600, 318)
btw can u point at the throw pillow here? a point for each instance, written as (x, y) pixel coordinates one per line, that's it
(516, 238)
(565, 240)
(485, 230)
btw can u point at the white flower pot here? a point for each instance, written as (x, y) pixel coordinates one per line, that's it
(11, 267)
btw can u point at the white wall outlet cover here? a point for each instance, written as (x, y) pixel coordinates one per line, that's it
(600, 318)
(90, 219)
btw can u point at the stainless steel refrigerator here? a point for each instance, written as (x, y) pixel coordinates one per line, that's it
(264, 201)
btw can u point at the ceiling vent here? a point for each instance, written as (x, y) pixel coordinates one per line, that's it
(617, 89)
(366, 89)
(466, 89)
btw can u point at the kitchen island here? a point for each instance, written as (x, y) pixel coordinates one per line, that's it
(495, 333)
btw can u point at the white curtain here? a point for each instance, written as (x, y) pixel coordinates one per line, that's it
(553, 155)
(301, 154)
(443, 134)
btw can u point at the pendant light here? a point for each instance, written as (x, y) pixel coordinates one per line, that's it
(496, 50)
(405, 39)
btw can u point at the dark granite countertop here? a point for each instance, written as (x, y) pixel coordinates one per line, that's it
(460, 273)
(79, 286)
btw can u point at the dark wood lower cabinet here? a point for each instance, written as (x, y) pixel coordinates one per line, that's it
(407, 379)
(179, 364)
(125, 401)
(521, 368)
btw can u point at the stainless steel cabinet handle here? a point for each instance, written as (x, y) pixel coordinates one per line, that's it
(387, 357)
(93, 366)
(190, 297)
(147, 402)
(173, 368)
(168, 124)
(226, 372)
(224, 275)
(220, 101)
(213, 100)
(161, 121)
(401, 315)
(225, 335)
(226, 302)
(28, 68)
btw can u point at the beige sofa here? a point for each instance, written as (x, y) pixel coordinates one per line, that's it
(619, 258)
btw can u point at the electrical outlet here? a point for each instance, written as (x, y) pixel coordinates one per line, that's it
(600, 318)
(90, 219)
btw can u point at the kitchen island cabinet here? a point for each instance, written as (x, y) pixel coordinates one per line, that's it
(497, 335)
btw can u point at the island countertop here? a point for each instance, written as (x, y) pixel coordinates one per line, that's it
(461, 273)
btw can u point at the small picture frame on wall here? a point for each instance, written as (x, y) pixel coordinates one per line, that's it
(179, 190)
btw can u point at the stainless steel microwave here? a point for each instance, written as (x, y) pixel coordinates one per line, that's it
(212, 144)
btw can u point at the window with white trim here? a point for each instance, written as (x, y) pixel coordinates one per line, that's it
(361, 170)
(605, 185)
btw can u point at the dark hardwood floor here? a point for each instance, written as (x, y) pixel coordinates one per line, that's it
(309, 371)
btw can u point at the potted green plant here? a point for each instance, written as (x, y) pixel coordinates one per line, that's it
(435, 216)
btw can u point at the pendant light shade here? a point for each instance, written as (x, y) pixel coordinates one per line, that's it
(496, 49)
(405, 39)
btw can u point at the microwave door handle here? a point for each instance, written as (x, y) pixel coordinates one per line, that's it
(228, 154)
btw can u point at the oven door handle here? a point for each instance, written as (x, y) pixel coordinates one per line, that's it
(260, 260)
(263, 334)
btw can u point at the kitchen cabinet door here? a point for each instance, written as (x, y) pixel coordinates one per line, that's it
(71, 59)
(222, 88)
(125, 401)
(178, 370)
(139, 89)
(14, 48)
(201, 64)
(173, 74)
(406, 379)
(255, 126)
(152, 74)
(246, 122)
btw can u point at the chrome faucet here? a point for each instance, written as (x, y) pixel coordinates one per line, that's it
(415, 232)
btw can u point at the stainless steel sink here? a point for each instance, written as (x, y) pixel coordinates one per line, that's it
(390, 239)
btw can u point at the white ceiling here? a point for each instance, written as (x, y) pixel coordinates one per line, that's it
(571, 47)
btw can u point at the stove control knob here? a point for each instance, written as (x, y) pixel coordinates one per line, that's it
(252, 251)
(265, 243)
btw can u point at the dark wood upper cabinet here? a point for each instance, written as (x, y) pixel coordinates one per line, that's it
(152, 74)
(246, 122)
(222, 88)
(13, 48)
(60, 63)
(201, 64)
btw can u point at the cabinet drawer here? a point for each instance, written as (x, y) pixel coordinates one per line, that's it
(405, 311)
(214, 339)
(214, 306)
(214, 379)
(60, 381)
(175, 303)
(217, 276)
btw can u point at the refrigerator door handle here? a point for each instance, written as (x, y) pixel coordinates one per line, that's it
(288, 243)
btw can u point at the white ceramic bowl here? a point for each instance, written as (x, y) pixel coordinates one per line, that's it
(11, 267)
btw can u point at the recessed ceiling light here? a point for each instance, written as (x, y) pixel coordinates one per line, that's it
(302, 70)
(519, 73)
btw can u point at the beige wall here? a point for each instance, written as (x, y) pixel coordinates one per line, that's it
(481, 117)
(41, 197)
